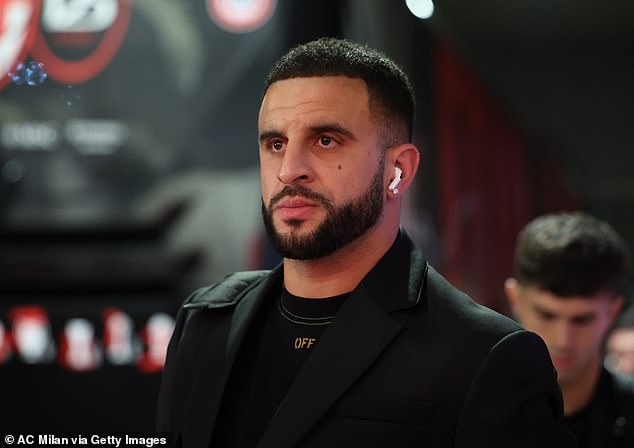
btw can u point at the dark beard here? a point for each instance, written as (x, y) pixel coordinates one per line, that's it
(341, 226)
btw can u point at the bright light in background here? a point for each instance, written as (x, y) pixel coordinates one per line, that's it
(423, 9)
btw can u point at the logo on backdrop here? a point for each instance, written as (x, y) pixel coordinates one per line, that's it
(78, 349)
(156, 336)
(119, 341)
(32, 336)
(29, 339)
(18, 28)
(241, 16)
(77, 39)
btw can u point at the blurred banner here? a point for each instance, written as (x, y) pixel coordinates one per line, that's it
(124, 127)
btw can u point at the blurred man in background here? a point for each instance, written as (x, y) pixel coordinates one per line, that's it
(568, 288)
(619, 344)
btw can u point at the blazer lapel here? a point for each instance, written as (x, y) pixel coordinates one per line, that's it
(362, 328)
(358, 335)
(216, 361)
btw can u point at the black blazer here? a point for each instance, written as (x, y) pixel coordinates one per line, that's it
(408, 361)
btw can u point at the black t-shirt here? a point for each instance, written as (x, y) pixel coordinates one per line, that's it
(606, 421)
(270, 358)
(579, 424)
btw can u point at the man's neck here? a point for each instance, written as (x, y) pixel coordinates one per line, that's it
(577, 395)
(341, 271)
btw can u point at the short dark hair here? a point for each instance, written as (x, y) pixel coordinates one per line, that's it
(570, 254)
(391, 97)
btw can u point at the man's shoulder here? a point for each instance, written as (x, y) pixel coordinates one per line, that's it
(227, 292)
(447, 304)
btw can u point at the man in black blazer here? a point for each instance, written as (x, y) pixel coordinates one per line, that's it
(354, 340)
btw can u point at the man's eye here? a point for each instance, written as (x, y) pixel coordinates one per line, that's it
(277, 145)
(583, 321)
(546, 316)
(324, 140)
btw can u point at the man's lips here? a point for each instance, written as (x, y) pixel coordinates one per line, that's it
(563, 361)
(295, 208)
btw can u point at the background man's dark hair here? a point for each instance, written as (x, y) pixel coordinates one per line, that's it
(391, 98)
(570, 254)
(624, 320)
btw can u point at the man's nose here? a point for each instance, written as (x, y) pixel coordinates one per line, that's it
(564, 335)
(296, 165)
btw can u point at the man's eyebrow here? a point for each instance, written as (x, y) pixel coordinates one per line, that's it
(543, 311)
(333, 127)
(265, 135)
(587, 316)
(317, 129)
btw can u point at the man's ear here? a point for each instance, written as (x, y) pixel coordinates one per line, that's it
(406, 157)
(512, 291)
(615, 307)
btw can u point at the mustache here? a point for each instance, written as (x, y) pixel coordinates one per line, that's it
(301, 191)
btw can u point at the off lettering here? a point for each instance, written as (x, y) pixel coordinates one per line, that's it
(303, 343)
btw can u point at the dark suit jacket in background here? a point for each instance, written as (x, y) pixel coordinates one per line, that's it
(610, 422)
(408, 361)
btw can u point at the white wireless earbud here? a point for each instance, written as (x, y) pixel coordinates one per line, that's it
(398, 175)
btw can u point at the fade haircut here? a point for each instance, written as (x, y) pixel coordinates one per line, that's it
(570, 254)
(391, 98)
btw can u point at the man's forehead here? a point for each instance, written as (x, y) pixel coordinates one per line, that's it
(544, 300)
(325, 88)
(313, 100)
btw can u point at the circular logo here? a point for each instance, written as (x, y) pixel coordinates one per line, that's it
(18, 28)
(241, 16)
(78, 38)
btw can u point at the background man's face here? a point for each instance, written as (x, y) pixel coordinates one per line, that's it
(322, 173)
(620, 348)
(572, 327)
